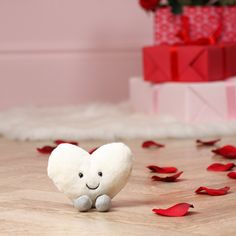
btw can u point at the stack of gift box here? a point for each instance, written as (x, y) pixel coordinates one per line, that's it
(189, 71)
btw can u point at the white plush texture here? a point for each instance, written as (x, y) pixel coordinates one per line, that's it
(101, 121)
(67, 161)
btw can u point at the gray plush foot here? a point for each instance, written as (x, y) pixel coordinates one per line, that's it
(83, 203)
(103, 203)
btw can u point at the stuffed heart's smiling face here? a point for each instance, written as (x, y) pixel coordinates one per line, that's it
(75, 172)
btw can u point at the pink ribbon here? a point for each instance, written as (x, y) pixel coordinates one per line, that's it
(231, 100)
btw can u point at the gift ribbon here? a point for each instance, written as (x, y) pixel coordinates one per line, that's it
(225, 72)
(156, 99)
(184, 35)
(231, 100)
(174, 63)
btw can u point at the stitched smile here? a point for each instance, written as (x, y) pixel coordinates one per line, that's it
(91, 187)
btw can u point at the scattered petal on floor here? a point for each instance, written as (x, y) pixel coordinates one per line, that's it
(227, 151)
(212, 192)
(92, 150)
(232, 175)
(207, 143)
(180, 209)
(171, 178)
(152, 144)
(162, 170)
(221, 167)
(46, 149)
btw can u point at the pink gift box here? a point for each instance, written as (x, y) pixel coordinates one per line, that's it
(189, 102)
(203, 21)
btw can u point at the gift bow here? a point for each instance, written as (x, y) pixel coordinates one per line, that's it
(184, 34)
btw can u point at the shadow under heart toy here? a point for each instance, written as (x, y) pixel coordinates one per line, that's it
(90, 180)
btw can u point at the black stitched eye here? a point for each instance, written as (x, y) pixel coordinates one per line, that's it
(100, 173)
(81, 175)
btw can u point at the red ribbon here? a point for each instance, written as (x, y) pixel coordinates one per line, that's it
(184, 35)
(231, 100)
(174, 63)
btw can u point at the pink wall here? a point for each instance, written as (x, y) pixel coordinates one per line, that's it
(69, 51)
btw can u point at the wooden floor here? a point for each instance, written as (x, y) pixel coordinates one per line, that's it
(31, 205)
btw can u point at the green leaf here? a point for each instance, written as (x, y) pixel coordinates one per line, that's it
(199, 2)
(176, 7)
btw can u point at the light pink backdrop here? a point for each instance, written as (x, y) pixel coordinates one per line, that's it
(55, 52)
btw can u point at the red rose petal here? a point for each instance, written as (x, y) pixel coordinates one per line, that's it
(207, 143)
(180, 209)
(93, 150)
(151, 144)
(60, 141)
(171, 178)
(232, 175)
(227, 151)
(221, 167)
(162, 170)
(212, 192)
(149, 5)
(46, 149)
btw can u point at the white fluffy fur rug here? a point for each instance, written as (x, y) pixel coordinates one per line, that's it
(100, 121)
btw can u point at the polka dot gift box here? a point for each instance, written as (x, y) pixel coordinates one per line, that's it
(204, 20)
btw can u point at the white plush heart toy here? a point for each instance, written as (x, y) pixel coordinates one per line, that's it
(90, 180)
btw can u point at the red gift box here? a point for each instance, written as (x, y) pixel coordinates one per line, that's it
(204, 20)
(189, 63)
